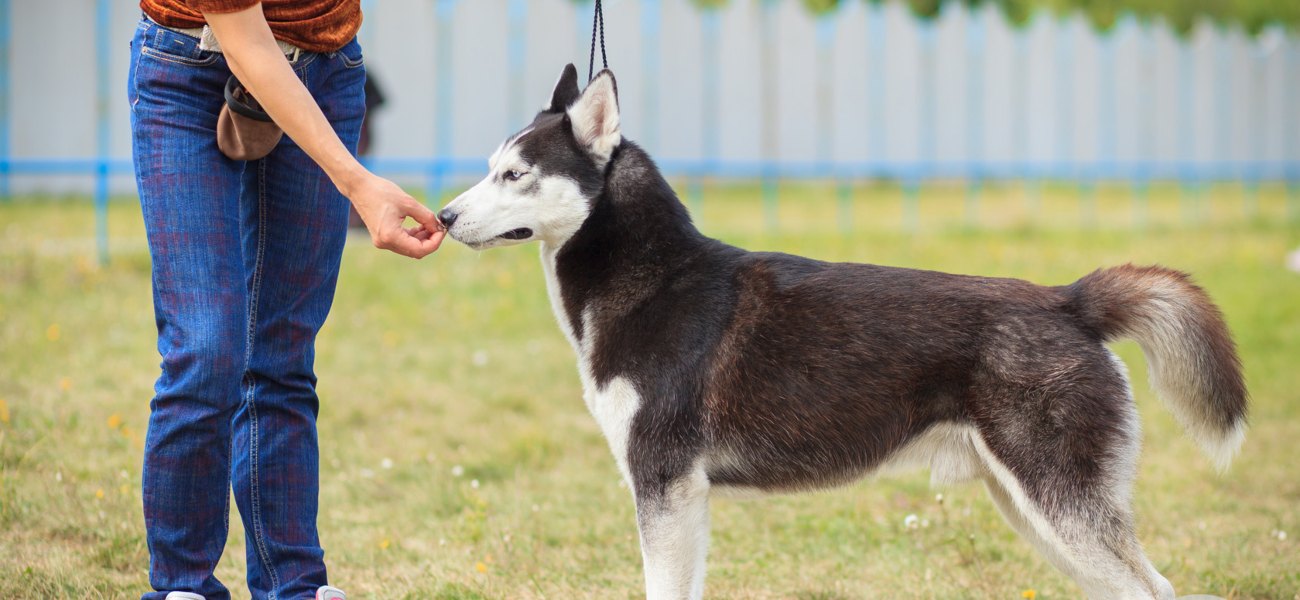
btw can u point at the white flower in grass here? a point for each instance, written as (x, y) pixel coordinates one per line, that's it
(457, 471)
(386, 464)
(474, 484)
(480, 358)
(911, 522)
(1293, 261)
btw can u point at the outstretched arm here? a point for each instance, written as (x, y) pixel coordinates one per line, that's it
(254, 57)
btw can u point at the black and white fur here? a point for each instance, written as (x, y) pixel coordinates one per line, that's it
(716, 370)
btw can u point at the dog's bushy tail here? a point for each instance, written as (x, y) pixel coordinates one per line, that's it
(1190, 354)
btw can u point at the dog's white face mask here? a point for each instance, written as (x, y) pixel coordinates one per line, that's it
(542, 180)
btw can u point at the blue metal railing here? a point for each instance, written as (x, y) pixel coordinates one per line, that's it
(1129, 172)
(651, 23)
(5, 43)
(1191, 172)
(103, 54)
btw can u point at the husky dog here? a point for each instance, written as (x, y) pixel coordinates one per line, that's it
(716, 370)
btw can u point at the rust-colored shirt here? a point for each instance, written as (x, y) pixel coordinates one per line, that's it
(313, 25)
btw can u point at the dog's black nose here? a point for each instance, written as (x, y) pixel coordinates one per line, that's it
(447, 217)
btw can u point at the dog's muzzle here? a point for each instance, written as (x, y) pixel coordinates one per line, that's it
(447, 217)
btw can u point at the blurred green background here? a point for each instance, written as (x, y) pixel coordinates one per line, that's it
(458, 459)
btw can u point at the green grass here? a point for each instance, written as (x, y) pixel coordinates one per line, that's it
(455, 361)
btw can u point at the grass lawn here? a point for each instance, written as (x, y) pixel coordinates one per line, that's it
(458, 460)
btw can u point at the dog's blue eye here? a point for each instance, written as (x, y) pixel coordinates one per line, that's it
(513, 175)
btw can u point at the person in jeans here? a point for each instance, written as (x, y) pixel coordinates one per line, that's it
(245, 260)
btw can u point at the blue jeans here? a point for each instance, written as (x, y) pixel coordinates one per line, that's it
(245, 261)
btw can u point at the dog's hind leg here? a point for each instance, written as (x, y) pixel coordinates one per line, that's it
(1020, 522)
(674, 524)
(1086, 533)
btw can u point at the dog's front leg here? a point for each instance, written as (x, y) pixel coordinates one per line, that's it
(673, 518)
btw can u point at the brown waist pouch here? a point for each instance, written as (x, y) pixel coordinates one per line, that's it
(244, 130)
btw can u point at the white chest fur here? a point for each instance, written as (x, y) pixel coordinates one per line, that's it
(613, 404)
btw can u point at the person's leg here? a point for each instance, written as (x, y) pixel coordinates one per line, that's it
(297, 223)
(189, 195)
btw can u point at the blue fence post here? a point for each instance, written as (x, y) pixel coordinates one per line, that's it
(6, 17)
(928, 100)
(826, 118)
(1065, 101)
(103, 52)
(366, 36)
(1223, 123)
(875, 133)
(517, 15)
(925, 162)
(584, 14)
(975, 112)
(1291, 95)
(1146, 124)
(1187, 128)
(1020, 87)
(912, 185)
(443, 140)
(650, 48)
(1108, 111)
(1258, 90)
(368, 32)
(767, 59)
(710, 72)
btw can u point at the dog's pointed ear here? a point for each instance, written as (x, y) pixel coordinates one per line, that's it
(566, 90)
(595, 116)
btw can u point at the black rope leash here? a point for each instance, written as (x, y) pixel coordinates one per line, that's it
(597, 24)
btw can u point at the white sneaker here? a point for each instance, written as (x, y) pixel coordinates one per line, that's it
(184, 596)
(326, 592)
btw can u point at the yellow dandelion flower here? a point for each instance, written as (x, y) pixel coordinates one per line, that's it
(480, 567)
(4, 412)
(52, 332)
(1029, 594)
(114, 421)
(65, 384)
(99, 494)
(384, 544)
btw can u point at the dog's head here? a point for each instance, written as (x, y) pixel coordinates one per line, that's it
(542, 181)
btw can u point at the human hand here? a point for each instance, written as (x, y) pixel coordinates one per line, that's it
(250, 49)
(383, 207)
